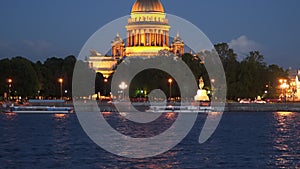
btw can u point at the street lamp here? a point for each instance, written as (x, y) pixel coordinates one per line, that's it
(281, 87)
(105, 86)
(170, 86)
(123, 86)
(60, 81)
(39, 94)
(9, 87)
(280, 81)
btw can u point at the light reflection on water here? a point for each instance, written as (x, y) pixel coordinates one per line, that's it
(61, 138)
(60, 116)
(155, 163)
(242, 140)
(287, 139)
(10, 115)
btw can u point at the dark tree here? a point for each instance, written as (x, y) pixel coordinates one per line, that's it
(25, 79)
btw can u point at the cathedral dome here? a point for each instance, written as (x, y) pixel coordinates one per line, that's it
(147, 6)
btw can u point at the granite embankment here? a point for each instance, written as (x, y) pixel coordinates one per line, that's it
(230, 107)
(268, 107)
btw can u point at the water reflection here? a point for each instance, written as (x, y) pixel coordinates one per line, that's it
(10, 115)
(286, 139)
(61, 139)
(159, 162)
(171, 115)
(105, 114)
(60, 116)
(139, 130)
(282, 114)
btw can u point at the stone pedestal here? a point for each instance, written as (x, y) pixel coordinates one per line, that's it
(201, 96)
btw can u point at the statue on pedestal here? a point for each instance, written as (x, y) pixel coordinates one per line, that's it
(201, 93)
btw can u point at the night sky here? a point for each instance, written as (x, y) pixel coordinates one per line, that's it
(38, 29)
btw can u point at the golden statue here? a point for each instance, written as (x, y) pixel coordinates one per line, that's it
(201, 83)
(201, 94)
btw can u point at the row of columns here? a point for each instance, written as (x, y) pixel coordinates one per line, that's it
(148, 39)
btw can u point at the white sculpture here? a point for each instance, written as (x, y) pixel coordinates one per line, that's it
(201, 93)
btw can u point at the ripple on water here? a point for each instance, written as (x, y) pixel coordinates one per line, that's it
(242, 140)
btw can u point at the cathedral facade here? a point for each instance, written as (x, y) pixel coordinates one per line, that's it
(147, 35)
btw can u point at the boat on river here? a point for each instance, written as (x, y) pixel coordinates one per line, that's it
(40, 109)
(180, 108)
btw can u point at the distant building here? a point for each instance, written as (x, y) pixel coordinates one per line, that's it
(147, 35)
(102, 64)
(294, 85)
(297, 85)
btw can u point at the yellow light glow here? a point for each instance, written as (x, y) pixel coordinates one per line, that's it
(106, 113)
(9, 80)
(215, 113)
(284, 86)
(60, 115)
(284, 113)
(280, 80)
(144, 50)
(170, 80)
(60, 80)
(10, 114)
(170, 115)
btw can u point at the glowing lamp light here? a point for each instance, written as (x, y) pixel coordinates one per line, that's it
(123, 86)
(170, 81)
(60, 80)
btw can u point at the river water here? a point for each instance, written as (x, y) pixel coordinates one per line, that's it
(242, 140)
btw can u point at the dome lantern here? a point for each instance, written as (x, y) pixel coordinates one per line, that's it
(147, 6)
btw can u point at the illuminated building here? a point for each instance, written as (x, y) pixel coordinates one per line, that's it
(292, 84)
(118, 47)
(147, 29)
(103, 64)
(147, 35)
(298, 85)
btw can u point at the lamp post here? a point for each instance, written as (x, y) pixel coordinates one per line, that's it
(281, 87)
(123, 86)
(60, 81)
(9, 87)
(105, 86)
(170, 86)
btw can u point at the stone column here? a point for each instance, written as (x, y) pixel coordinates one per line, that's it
(131, 39)
(140, 39)
(158, 39)
(167, 38)
(136, 39)
(155, 39)
(128, 38)
(164, 37)
(147, 39)
(152, 39)
(144, 39)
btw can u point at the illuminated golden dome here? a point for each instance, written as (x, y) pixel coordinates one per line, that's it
(147, 6)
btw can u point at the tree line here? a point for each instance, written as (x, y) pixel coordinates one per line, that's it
(247, 78)
(250, 77)
(31, 80)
